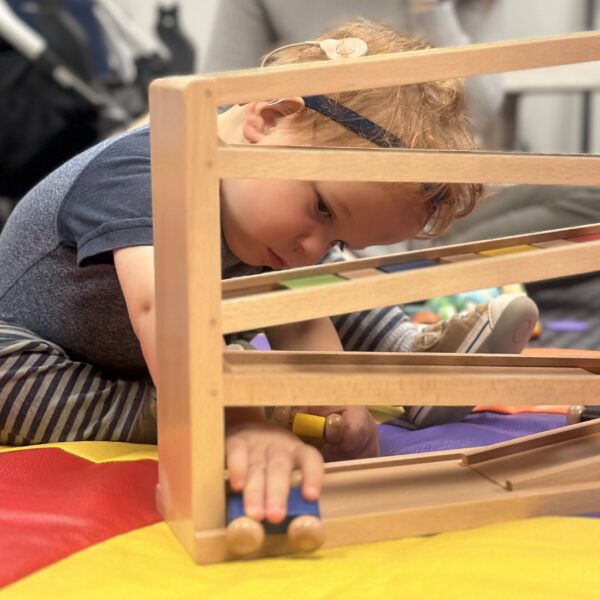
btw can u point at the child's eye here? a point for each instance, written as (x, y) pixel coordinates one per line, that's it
(322, 207)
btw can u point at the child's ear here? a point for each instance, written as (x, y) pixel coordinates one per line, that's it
(261, 117)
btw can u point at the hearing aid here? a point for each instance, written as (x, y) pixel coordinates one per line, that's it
(333, 49)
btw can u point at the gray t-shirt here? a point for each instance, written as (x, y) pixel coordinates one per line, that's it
(57, 275)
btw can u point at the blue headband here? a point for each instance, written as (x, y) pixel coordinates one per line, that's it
(353, 121)
(361, 126)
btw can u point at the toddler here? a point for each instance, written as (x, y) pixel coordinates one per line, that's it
(77, 321)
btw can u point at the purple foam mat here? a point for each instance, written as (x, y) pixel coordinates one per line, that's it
(478, 429)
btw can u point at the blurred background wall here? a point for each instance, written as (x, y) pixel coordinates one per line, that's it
(197, 16)
(546, 121)
(42, 124)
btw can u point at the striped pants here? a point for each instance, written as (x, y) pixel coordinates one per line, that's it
(385, 329)
(45, 396)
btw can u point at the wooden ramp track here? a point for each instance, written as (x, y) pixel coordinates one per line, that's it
(402, 68)
(251, 284)
(314, 378)
(328, 164)
(262, 300)
(196, 380)
(552, 473)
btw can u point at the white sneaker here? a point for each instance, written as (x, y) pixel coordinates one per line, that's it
(502, 326)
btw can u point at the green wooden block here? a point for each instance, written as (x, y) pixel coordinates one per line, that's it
(303, 282)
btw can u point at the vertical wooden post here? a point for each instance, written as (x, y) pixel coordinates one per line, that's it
(185, 190)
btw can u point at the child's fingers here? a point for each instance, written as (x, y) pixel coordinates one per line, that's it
(310, 462)
(334, 428)
(279, 469)
(237, 462)
(360, 440)
(356, 435)
(254, 489)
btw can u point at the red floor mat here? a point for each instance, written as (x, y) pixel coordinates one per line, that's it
(53, 504)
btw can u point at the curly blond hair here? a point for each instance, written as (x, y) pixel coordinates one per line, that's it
(424, 115)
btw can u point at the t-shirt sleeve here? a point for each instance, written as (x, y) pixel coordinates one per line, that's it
(109, 206)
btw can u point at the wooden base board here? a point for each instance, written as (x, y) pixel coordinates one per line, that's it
(439, 492)
(413, 515)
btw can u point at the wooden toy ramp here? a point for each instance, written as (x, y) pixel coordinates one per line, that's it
(197, 379)
(555, 472)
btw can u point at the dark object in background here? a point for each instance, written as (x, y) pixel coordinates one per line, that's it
(574, 298)
(41, 124)
(579, 414)
(66, 36)
(168, 30)
(72, 72)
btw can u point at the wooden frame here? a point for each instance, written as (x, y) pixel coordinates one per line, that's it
(197, 380)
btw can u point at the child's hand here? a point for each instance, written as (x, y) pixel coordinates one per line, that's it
(260, 458)
(357, 437)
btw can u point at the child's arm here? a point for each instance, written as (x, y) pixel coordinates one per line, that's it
(318, 334)
(135, 271)
(260, 455)
(360, 439)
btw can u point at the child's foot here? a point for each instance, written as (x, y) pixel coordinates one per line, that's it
(503, 326)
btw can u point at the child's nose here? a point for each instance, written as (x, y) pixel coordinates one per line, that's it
(314, 246)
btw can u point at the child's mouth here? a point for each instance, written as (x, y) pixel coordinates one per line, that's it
(275, 261)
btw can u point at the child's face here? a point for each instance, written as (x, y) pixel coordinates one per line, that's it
(282, 224)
